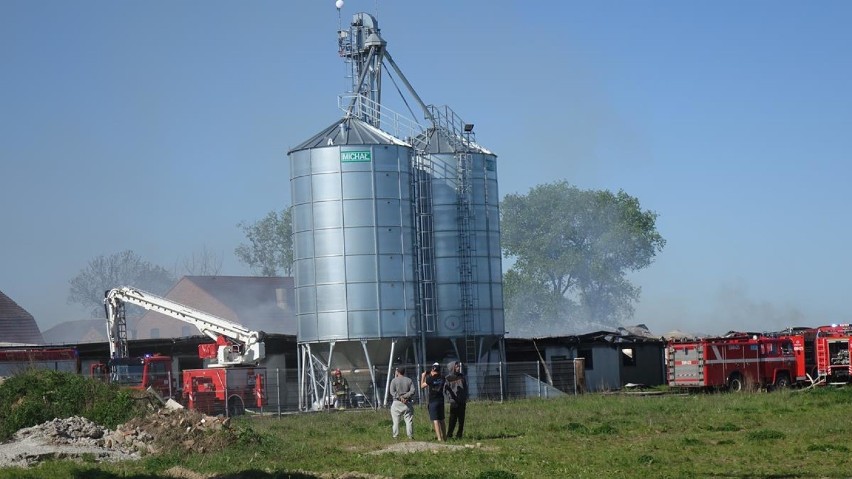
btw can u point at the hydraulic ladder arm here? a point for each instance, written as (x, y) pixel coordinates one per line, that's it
(235, 344)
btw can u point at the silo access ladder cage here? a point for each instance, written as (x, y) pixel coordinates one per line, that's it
(424, 240)
(461, 138)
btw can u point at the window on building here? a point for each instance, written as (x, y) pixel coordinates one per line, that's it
(628, 357)
(155, 333)
(586, 354)
(186, 331)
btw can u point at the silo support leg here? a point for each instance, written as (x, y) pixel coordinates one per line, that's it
(372, 372)
(390, 369)
(327, 377)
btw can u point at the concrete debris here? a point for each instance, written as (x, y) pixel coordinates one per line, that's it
(79, 438)
(172, 404)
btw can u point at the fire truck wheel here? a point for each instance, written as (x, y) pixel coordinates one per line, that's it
(782, 382)
(236, 406)
(735, 384)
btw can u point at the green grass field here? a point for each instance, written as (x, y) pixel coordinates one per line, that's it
(767, 435)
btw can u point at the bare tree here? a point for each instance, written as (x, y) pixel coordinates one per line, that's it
(203, 263)
(120, 269)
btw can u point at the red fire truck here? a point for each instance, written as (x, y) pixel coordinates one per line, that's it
(826, 352)
(221, 390)
(149, 371)
(232, 381)
(733, 362)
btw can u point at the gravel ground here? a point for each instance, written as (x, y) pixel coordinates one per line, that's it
(417, 446)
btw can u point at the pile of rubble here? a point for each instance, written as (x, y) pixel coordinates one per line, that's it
(181, 429)
(78, 437)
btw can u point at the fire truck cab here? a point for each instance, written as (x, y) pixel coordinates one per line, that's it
(733, 362)
(150, 371)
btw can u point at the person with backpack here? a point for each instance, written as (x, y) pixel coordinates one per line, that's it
(455, 390)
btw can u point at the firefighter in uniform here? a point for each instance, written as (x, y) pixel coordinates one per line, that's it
(341, 389)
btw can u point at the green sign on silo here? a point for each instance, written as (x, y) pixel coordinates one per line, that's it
(356, 156)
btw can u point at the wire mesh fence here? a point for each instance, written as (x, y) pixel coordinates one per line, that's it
(366, 389)
(279, 391)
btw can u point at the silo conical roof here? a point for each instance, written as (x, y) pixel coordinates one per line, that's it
(349, 131)
(16, 324)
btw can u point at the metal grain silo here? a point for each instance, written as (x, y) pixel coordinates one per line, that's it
(465, 227)
(353, 234)
(353, 255)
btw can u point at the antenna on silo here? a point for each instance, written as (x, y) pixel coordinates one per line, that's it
(339, 4)
(364, 52)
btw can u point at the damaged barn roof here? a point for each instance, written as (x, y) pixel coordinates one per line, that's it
(629, 334)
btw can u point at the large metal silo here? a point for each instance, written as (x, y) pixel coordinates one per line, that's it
(353, 235)
(353, 256)
(466, 259)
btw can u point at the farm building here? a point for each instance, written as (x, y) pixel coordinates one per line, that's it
(612, 359)
(17, 326)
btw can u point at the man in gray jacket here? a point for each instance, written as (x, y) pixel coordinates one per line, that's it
(402, 391)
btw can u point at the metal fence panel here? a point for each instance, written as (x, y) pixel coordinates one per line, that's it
(486, 381)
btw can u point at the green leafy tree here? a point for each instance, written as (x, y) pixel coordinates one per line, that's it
(270, 247)
(572, 249)
(120, 269)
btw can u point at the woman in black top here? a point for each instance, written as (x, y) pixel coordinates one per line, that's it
(435, 382)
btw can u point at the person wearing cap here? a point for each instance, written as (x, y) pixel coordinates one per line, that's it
(402, 391)
(434, 381)
(455, 390)
(340, 386)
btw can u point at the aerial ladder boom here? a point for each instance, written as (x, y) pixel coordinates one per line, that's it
(235, 344)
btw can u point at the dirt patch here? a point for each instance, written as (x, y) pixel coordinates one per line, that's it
(435, 447)
(179, 472)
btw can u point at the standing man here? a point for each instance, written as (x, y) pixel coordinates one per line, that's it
(340, 386)
(456, 393)
(435, 382)
(402, 391)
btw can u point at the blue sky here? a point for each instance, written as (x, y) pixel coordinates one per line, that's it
(158, 126)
